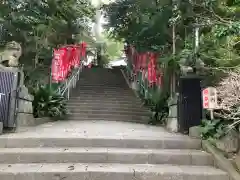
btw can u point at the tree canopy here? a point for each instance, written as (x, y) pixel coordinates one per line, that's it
(147, 24)
(40, 25)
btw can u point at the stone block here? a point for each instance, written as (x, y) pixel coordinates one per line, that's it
(25, 120)
(229, 143)
(195, 132)
(172, 123)
(25, 101)
(1, 127)
(237, 160)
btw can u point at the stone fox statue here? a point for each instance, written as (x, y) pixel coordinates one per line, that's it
(11, 55)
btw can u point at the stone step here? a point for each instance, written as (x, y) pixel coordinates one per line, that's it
(107, 78)
(104, 155)
(103, 92)
(110, 90)
(100, 84)
(108, 116)
(111, 119)
(106, 112)
(69, 171)
(121, 102)
(103, 97)
(101, 87)
(101, 107)
(106, 94)
(95, 82)
(76, 140)
(106, 105)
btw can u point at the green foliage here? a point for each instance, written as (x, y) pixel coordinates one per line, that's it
(141, 23)
(159, 109)
(113, 48)
(48, 103)
(147, 25)
(104, 60)
(213, 129)
(41, 25)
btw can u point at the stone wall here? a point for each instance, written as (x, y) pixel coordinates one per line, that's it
(25, 109)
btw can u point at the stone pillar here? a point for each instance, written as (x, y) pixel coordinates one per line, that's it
(25, 109)
(172, 122)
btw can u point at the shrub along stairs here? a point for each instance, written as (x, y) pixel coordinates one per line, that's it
(94, 144)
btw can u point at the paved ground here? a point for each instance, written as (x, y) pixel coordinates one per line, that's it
(93, 129)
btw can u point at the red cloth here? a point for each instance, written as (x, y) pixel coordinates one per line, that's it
(144, 61)
(83, 49)
(65, 58)
(159, 77)
(152, 76)
(57, 63)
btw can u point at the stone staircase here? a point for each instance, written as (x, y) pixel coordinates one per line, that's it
(98, 142)
(103, 94)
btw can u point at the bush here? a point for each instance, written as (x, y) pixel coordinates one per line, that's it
(48, 103)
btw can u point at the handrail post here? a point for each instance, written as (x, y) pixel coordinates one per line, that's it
(68, 93)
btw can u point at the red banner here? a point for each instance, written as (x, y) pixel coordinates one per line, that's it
(66, 58)
(147, 63)
(152, 76)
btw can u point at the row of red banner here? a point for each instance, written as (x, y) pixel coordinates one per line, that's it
(147, 64)
(65, 59)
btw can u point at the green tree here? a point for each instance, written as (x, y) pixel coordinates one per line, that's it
(41, 25)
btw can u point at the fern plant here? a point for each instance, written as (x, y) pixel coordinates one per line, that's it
(48, 103)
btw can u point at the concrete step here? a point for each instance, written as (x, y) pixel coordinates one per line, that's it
(105, 96)
(76, 140)
(106, 79)
(99, 92)
(104, 155)
(108, 116)
(117, 88)
(112, 113)
(69, 171)
(101, 86)
(103, 110)
(109, 106)
(111, 119)
(121, 102)
(106, 100)
(99, 83)
(122, 90)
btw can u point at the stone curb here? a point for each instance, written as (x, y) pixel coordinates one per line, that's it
(220, 161)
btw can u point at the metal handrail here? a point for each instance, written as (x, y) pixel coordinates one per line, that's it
(71, 82)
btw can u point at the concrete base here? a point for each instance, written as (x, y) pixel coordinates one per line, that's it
(1, 127)
(172, 123)
(134, 85)
(27, 120)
